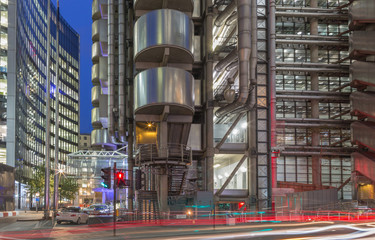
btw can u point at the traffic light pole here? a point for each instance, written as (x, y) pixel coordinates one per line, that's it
(114, 198)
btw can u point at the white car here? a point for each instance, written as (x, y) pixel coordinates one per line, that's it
(72, 215)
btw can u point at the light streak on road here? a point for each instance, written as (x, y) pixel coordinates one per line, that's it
(360, 232)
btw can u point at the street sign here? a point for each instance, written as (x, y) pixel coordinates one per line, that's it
(37, 199)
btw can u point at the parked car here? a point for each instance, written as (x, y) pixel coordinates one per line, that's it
(97, 209)
(72, 215)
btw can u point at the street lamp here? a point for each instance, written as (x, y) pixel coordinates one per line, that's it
(37, 200)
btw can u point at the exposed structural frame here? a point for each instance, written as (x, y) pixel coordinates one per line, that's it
(254, 99)
(99, 154)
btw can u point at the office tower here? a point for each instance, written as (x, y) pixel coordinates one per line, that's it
(27, 83)
(270, 114)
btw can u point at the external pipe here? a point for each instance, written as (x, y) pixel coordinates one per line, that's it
(308, 9)
(244, 51)
(304, 148)
(312, 42)
(227, 35)
(305, 64)
(296, 153)
(219, 21)
(315, 120)
(325, 70)
(308, 92)
(272, 93)
(311, 97)
(315, 125)
(232, 19)
(250, 103)
(130, 108)
(298, 36)
(121, 75)
(232, 66)
(210, 150)
(337, 16)
(111, 70)
(226, 61)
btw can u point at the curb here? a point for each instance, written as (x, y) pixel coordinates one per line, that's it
(29, 220)
(8, 214)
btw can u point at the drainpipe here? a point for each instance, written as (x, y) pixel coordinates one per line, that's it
(225, 14)
(111, 70)
(244, 50)
(130, 110)
(272, 93)
(210, 150)
(121, 88)
(250, 105)
(315, 138)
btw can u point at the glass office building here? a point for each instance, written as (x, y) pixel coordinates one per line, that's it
(27, 84)
(3, 76)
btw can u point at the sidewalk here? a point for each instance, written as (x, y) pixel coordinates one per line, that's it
(22, 215)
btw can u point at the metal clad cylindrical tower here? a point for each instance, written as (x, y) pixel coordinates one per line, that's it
(158, 41)
(153, 33)
(163, 93)
(157, 87)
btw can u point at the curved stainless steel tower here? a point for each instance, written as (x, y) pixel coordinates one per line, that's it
(163, 95)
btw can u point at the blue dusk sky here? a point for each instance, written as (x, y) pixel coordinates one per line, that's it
(78, 14)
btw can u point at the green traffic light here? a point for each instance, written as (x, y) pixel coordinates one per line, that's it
(104, 185)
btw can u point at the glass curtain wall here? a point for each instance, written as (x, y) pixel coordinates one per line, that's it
(292, 78)
(3, 77)
(31, 71)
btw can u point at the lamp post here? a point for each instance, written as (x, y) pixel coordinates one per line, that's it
(37, 200)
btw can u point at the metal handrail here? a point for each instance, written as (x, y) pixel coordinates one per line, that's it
(175, 154)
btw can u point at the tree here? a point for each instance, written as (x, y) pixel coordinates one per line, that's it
(69, 188)
(36, 184)
(38, 181)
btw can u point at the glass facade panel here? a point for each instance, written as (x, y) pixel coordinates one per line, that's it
(303, 70)
(223, 167)
(31, 97)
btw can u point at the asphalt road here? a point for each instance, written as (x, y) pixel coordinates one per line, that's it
(263, 231)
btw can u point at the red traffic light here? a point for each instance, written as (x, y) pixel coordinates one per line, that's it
(121, 182)
(120, 176)
(241, 205)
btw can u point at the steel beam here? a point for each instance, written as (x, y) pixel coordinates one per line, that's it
(234, 124)
(239, 164)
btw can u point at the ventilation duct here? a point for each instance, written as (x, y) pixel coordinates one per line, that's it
(219, 21)
(244, 51)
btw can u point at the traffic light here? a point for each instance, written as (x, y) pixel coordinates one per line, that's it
(121, 182)
(106, 177)
(138, 179)
(241, 206)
